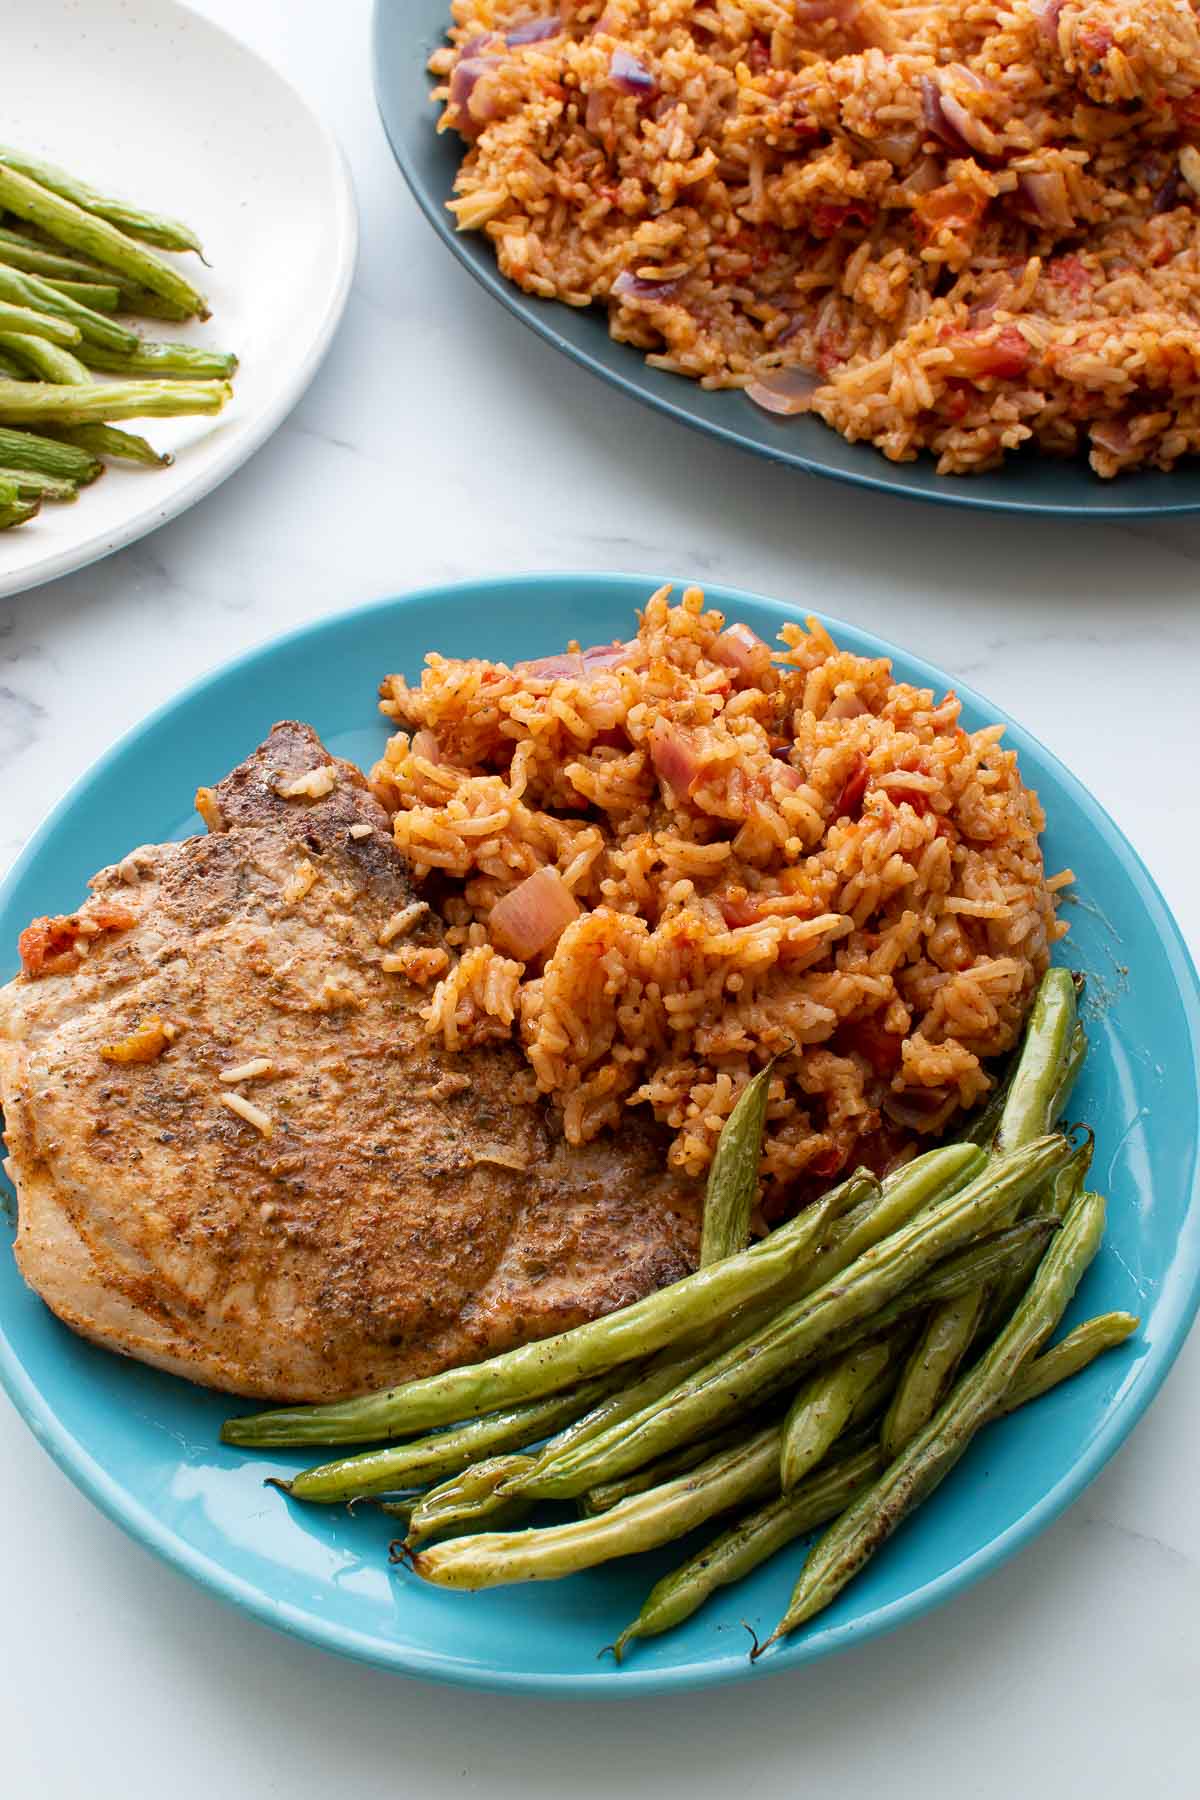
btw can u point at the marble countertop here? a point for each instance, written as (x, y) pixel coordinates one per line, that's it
(442, 440)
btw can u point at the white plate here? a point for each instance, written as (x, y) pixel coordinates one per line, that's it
(148, 101)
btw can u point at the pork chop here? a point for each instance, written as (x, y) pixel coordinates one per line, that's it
(240, 1157)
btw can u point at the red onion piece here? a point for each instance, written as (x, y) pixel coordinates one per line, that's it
(1005, 355)
(1045, 196)
(934, 114)
(898, 146)
(476, 110)
(784, 391)
(599, 110)
(629, 75)
(606, 656)
(482, 40)
(970, 129)
(1046, 13)
(920, 1109)
(674, 757)
(839, 12)
(1167, 197)
(629, 286)
(534, 916)
(575, 665)
(534, 30)
(567, 667)
(425, 744)
(742, 650)
(1112, 435)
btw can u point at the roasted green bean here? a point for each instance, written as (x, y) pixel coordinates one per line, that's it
(919, 1184)
(990, 1258)
(81, 230)
(108, 440)
(780, 1351)
(20, 251)
(92, 327)
(823, 1408)
(1046, 1054)
(96, 296)
(733, 1177)
(31, 484)
(151, 228)
(49, 362)
(36, 403)
(1039, 1084)
(460, 1503)
(751, 1541)
(429, 1459)
(948, 1335)
(492, 1559)
(1079, 1348)
(756, 1537)
(18, 512)
(979, 1396)
(31, 323)
(610, 1493)
(190, 360)
(25, 450)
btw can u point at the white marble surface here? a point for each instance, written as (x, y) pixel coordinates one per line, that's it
(441, 440)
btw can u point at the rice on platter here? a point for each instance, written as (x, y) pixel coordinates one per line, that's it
(667, 861)
(956, 227)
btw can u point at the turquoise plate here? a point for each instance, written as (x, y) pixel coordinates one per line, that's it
(407, 32)
(144, 1445)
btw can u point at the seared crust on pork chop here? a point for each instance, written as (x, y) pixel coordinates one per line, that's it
(361, 1210)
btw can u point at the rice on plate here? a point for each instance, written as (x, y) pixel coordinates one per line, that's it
(959, 228)
(665, 862)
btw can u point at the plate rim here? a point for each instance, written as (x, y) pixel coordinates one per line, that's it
(244, 442)
(519, 305)
(140, 1523)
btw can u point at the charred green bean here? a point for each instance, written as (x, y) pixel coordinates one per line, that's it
(109, 440)
(823, 1408)
(948, 1335)
(750, 1542)
(753, 1539)
(1079, 1348)
(428, 1459)
(767, 1360)
(733, 1176)
(978, 1397)
(492, 1559)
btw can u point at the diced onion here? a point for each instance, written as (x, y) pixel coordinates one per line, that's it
(741, 650)
(534, 30)
(629, 75)
(533, 916)
(629, 286)
(675, 760)
(784, 391)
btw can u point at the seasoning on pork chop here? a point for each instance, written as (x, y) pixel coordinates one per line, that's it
(239, 1156)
